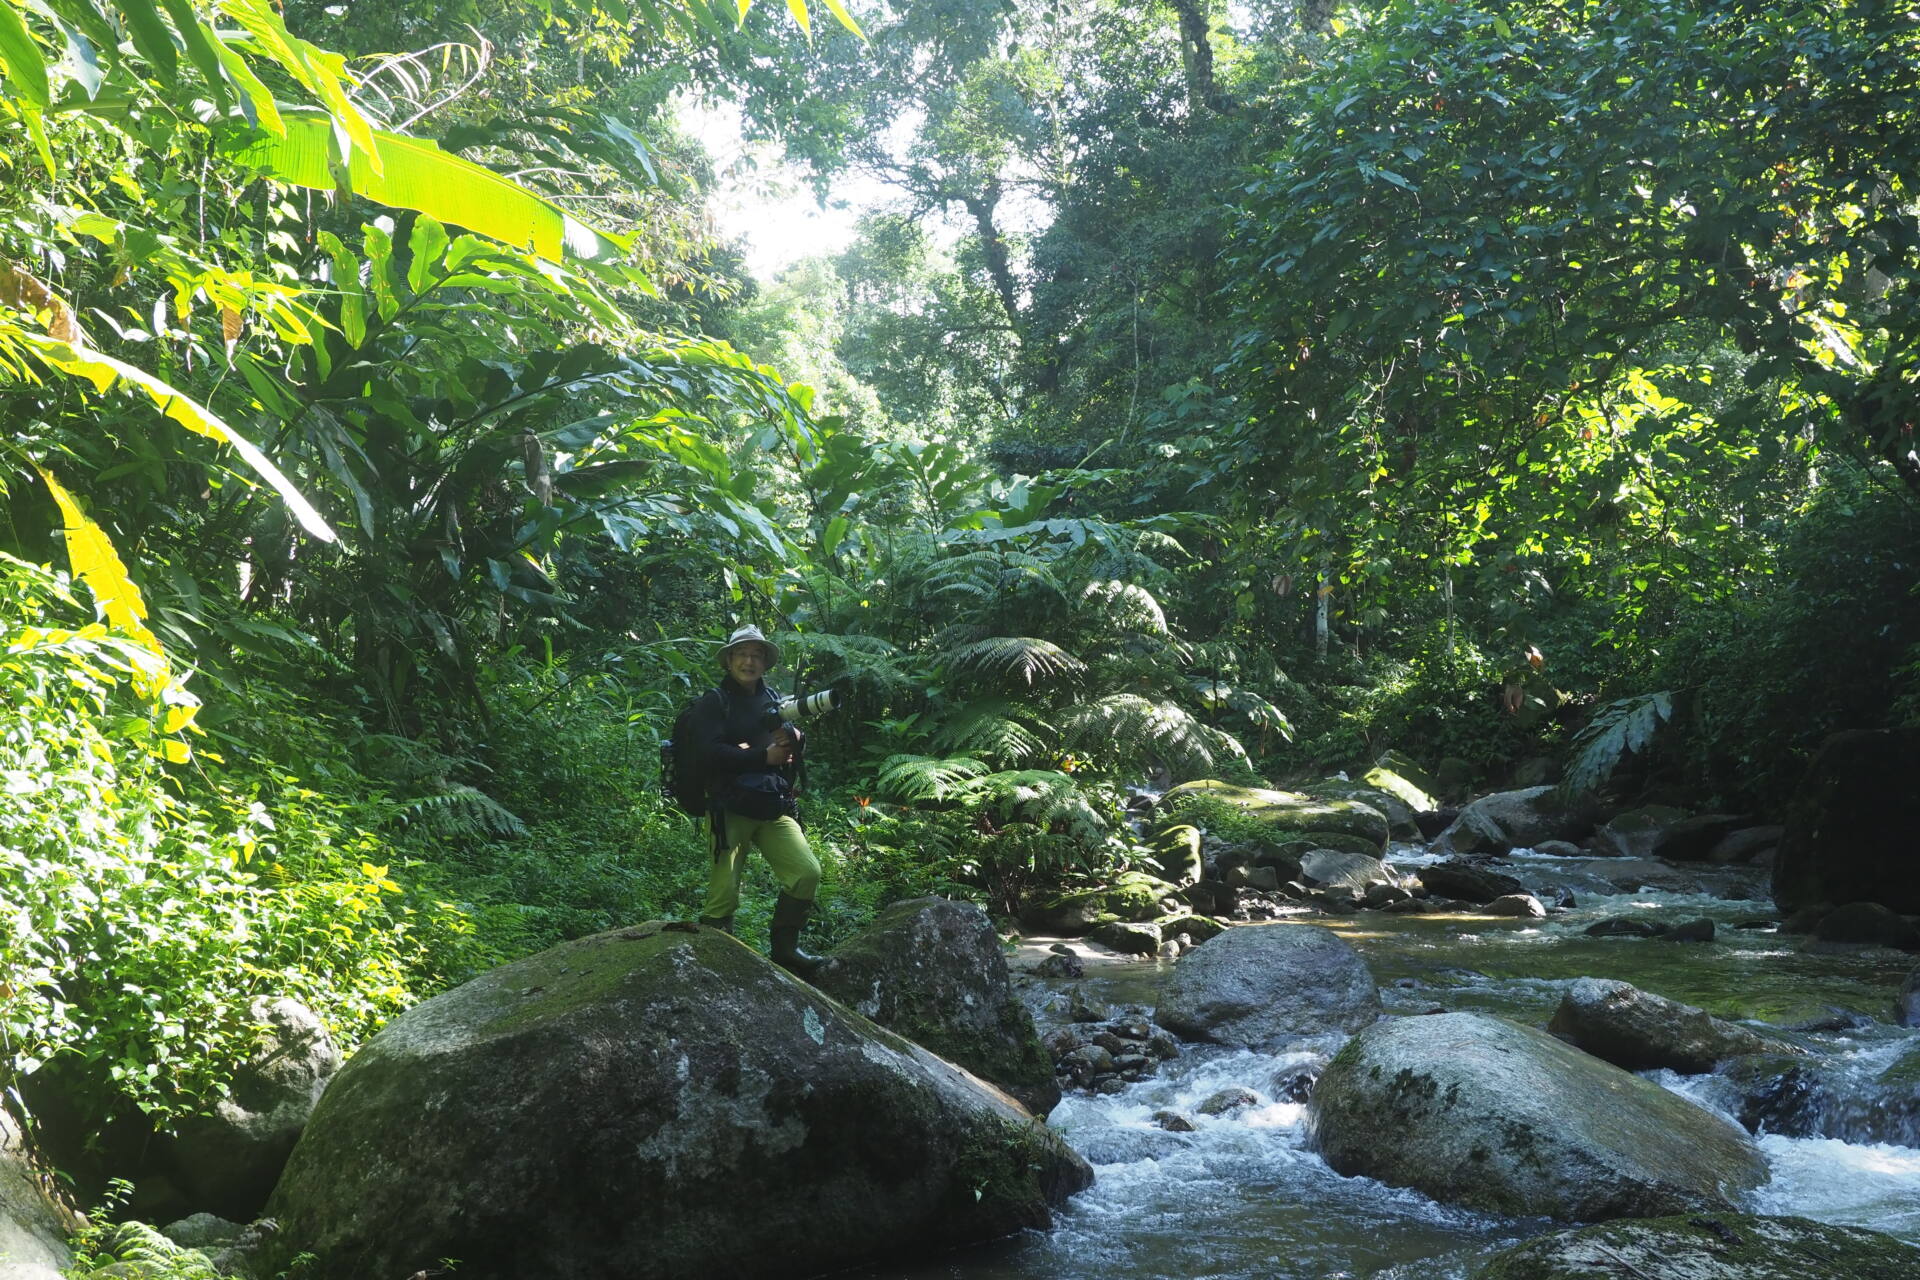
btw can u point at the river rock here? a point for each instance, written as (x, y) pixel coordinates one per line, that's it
(1468, 880)
(1906, 1006)
(1726, 1246)
(1260, 987)
(1631, 874)
(1175, 849)
(1398, 813)
(1523, 906)
(1473, 1109)
(227, 1162)
(1127, 938)
(1327, 868)
(933, 971)
(1513, 820)
(1132, 896)
(1623, 927)
(1745, 845)
(1638, 1030)
(1867, 924)
(35, 1219)
(1637, 833)
(1850, 825)
(1810, 1098)
(657, 1101)
(1290, 815)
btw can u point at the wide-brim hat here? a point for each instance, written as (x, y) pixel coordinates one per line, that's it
(749, 635)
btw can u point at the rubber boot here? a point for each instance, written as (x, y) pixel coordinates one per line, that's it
(789, 917)
(723, 923)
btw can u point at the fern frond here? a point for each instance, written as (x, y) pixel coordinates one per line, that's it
(913, 778)
(868, 659)
(1622, 726)
(1126, 605)
(990, 729)
(1129, 726)
(1044, 797)
(1263, 714)
(1027, 657)
(461, 811)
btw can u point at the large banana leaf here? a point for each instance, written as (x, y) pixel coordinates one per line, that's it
(413, 173)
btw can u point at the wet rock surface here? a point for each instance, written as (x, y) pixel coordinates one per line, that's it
(1264, 987)
(1473, 1109)
(1638, 1030)
(1719, 1246)
(605, 1108)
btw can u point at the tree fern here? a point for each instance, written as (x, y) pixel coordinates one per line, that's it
(1126, 605)
(991, 729)
(1128, 726)
(1622, 726)
(918, 778)
(461, 811)
(1026, 658)
(1043, 797)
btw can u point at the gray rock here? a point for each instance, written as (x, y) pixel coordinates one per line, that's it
(1809, 1098)
(1380, 895)
(1558, 848)
(1638, 1030)
(1128, 938)
(1693, 839)
(1512, 820)
(1906, 1006)
(1476, 1110)
(1637, 833)
(35, 1218)
(603, 1110)
(1866, 923)
(1174, 1122)
(1061, 966)
(1267, 878)
(933, 971)
(1262, 986)
(1630, 874)
(1850, 825)
(202, 1229)
(1745, 845)
(1523, 906)
(1726, 1246)
(1690, 931)
(227, 1162)
(1468, 881)
(1229, 1100)
(1328, 868)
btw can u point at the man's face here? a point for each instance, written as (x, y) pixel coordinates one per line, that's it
(748, 663)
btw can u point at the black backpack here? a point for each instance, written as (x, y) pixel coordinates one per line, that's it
(683, 766)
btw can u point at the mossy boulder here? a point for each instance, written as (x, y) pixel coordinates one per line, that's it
(932, 970)
(1290, 814)
(1726, 1246)
(1132, 896)
(653, 1102)
(1175, 848)
(1638, 1030)
(1472, 1109)
(1398, 813)
(1128, 937)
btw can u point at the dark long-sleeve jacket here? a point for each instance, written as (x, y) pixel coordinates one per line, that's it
(724, 718)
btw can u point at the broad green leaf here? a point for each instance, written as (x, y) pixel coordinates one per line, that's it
(255, 98)
(26, 69)
(96, 563)
(104, 372)
(150, 37)
(415, 174)
(200, 43)
(427, 245)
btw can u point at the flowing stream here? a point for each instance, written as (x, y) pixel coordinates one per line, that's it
(1244, 1196)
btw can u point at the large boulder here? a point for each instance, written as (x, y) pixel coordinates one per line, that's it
(1330, 868)
(1261, 986)
(1401, 824)
(1906, 1005)
(1638, 833)
(1638, 1030)
(933, 971)
(35, 1219)
(1509, 820)
(1132, 895)
(227, 1162)
(657, 1101)
(1291, 816)
(1468, 880)
(1852, 828)
(1473, 1109)
(1727, 1246)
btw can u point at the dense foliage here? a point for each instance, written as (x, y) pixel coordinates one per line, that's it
(1236, 392)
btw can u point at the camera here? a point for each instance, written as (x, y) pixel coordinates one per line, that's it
(813, 704)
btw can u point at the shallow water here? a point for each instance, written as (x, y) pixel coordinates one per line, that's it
(1244, 1197)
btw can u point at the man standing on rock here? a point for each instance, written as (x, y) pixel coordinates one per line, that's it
(747, 751)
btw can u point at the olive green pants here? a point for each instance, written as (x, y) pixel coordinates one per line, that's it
(780, 841)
